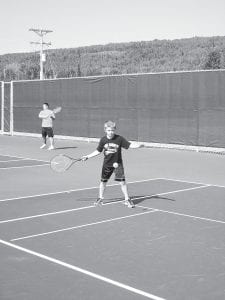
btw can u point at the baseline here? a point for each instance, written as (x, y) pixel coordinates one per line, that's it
(83, 271)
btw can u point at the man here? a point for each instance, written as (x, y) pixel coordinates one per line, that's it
(47, 117)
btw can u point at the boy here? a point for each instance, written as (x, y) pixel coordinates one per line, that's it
(47, 117)
(111, 144)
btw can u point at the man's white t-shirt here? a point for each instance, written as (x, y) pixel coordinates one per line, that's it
(47, 117)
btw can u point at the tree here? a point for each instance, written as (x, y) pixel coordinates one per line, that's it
(153, 56)
(79, 63)
(32, 71)
(12, 72)
(78, 70)
(213, 60)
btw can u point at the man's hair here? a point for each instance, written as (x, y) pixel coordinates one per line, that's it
(46, 103)
(110, 124)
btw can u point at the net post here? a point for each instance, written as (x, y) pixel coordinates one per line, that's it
(2, 107)
(11, 109)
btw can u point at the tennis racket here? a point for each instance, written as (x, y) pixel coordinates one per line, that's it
(61, 162)
(57, 109)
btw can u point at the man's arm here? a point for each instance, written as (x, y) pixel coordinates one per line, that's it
(46, 114)
(43, 115)
(52, 115)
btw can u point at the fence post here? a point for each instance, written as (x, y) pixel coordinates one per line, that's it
(11, 109)
(2, 106)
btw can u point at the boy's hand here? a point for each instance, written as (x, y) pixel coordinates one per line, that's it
(83, 158)
(136, 145)
(93, 154)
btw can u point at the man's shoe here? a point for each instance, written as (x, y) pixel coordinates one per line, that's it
(129, 203)
(98, 202)
(51, 148)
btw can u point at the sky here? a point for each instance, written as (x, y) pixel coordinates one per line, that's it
(77, 23)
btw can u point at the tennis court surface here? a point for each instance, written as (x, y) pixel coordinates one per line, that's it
(54, 244)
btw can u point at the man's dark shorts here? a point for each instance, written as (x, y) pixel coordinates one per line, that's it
(47, 131)
(107, 172)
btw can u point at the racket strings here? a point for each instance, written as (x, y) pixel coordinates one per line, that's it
(61, 163)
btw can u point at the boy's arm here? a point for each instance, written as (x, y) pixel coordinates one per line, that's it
(93, 154)
(135, 145)
(96, 152)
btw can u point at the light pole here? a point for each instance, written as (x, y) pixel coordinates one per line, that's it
(41, 33)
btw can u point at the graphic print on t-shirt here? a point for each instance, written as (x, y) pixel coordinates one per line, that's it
(110, 148)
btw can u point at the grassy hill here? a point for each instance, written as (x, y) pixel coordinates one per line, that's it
(119, 58)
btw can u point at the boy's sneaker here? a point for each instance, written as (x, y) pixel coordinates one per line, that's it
(98, 202)
(51, 148)
(43, 146)
(129, 203)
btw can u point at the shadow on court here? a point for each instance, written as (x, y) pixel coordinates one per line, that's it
(137, 199)
(140, 199)
(64, 148)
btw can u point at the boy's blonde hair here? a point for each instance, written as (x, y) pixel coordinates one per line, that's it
(110, 124)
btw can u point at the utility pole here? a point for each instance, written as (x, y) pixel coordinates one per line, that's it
(41, 33)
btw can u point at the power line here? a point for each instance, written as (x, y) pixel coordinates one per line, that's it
(41, 33)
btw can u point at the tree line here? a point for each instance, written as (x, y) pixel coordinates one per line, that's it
(197, 53)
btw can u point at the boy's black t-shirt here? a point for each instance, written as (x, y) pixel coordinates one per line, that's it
(112, 149)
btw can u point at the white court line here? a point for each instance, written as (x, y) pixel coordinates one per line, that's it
(6, 161)
(46, 214)
(193, 182)
(183, 215)
(22, 167)
(84, 225)
(83, 271)
(91, 206)
(72, 190)
(21, 157)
